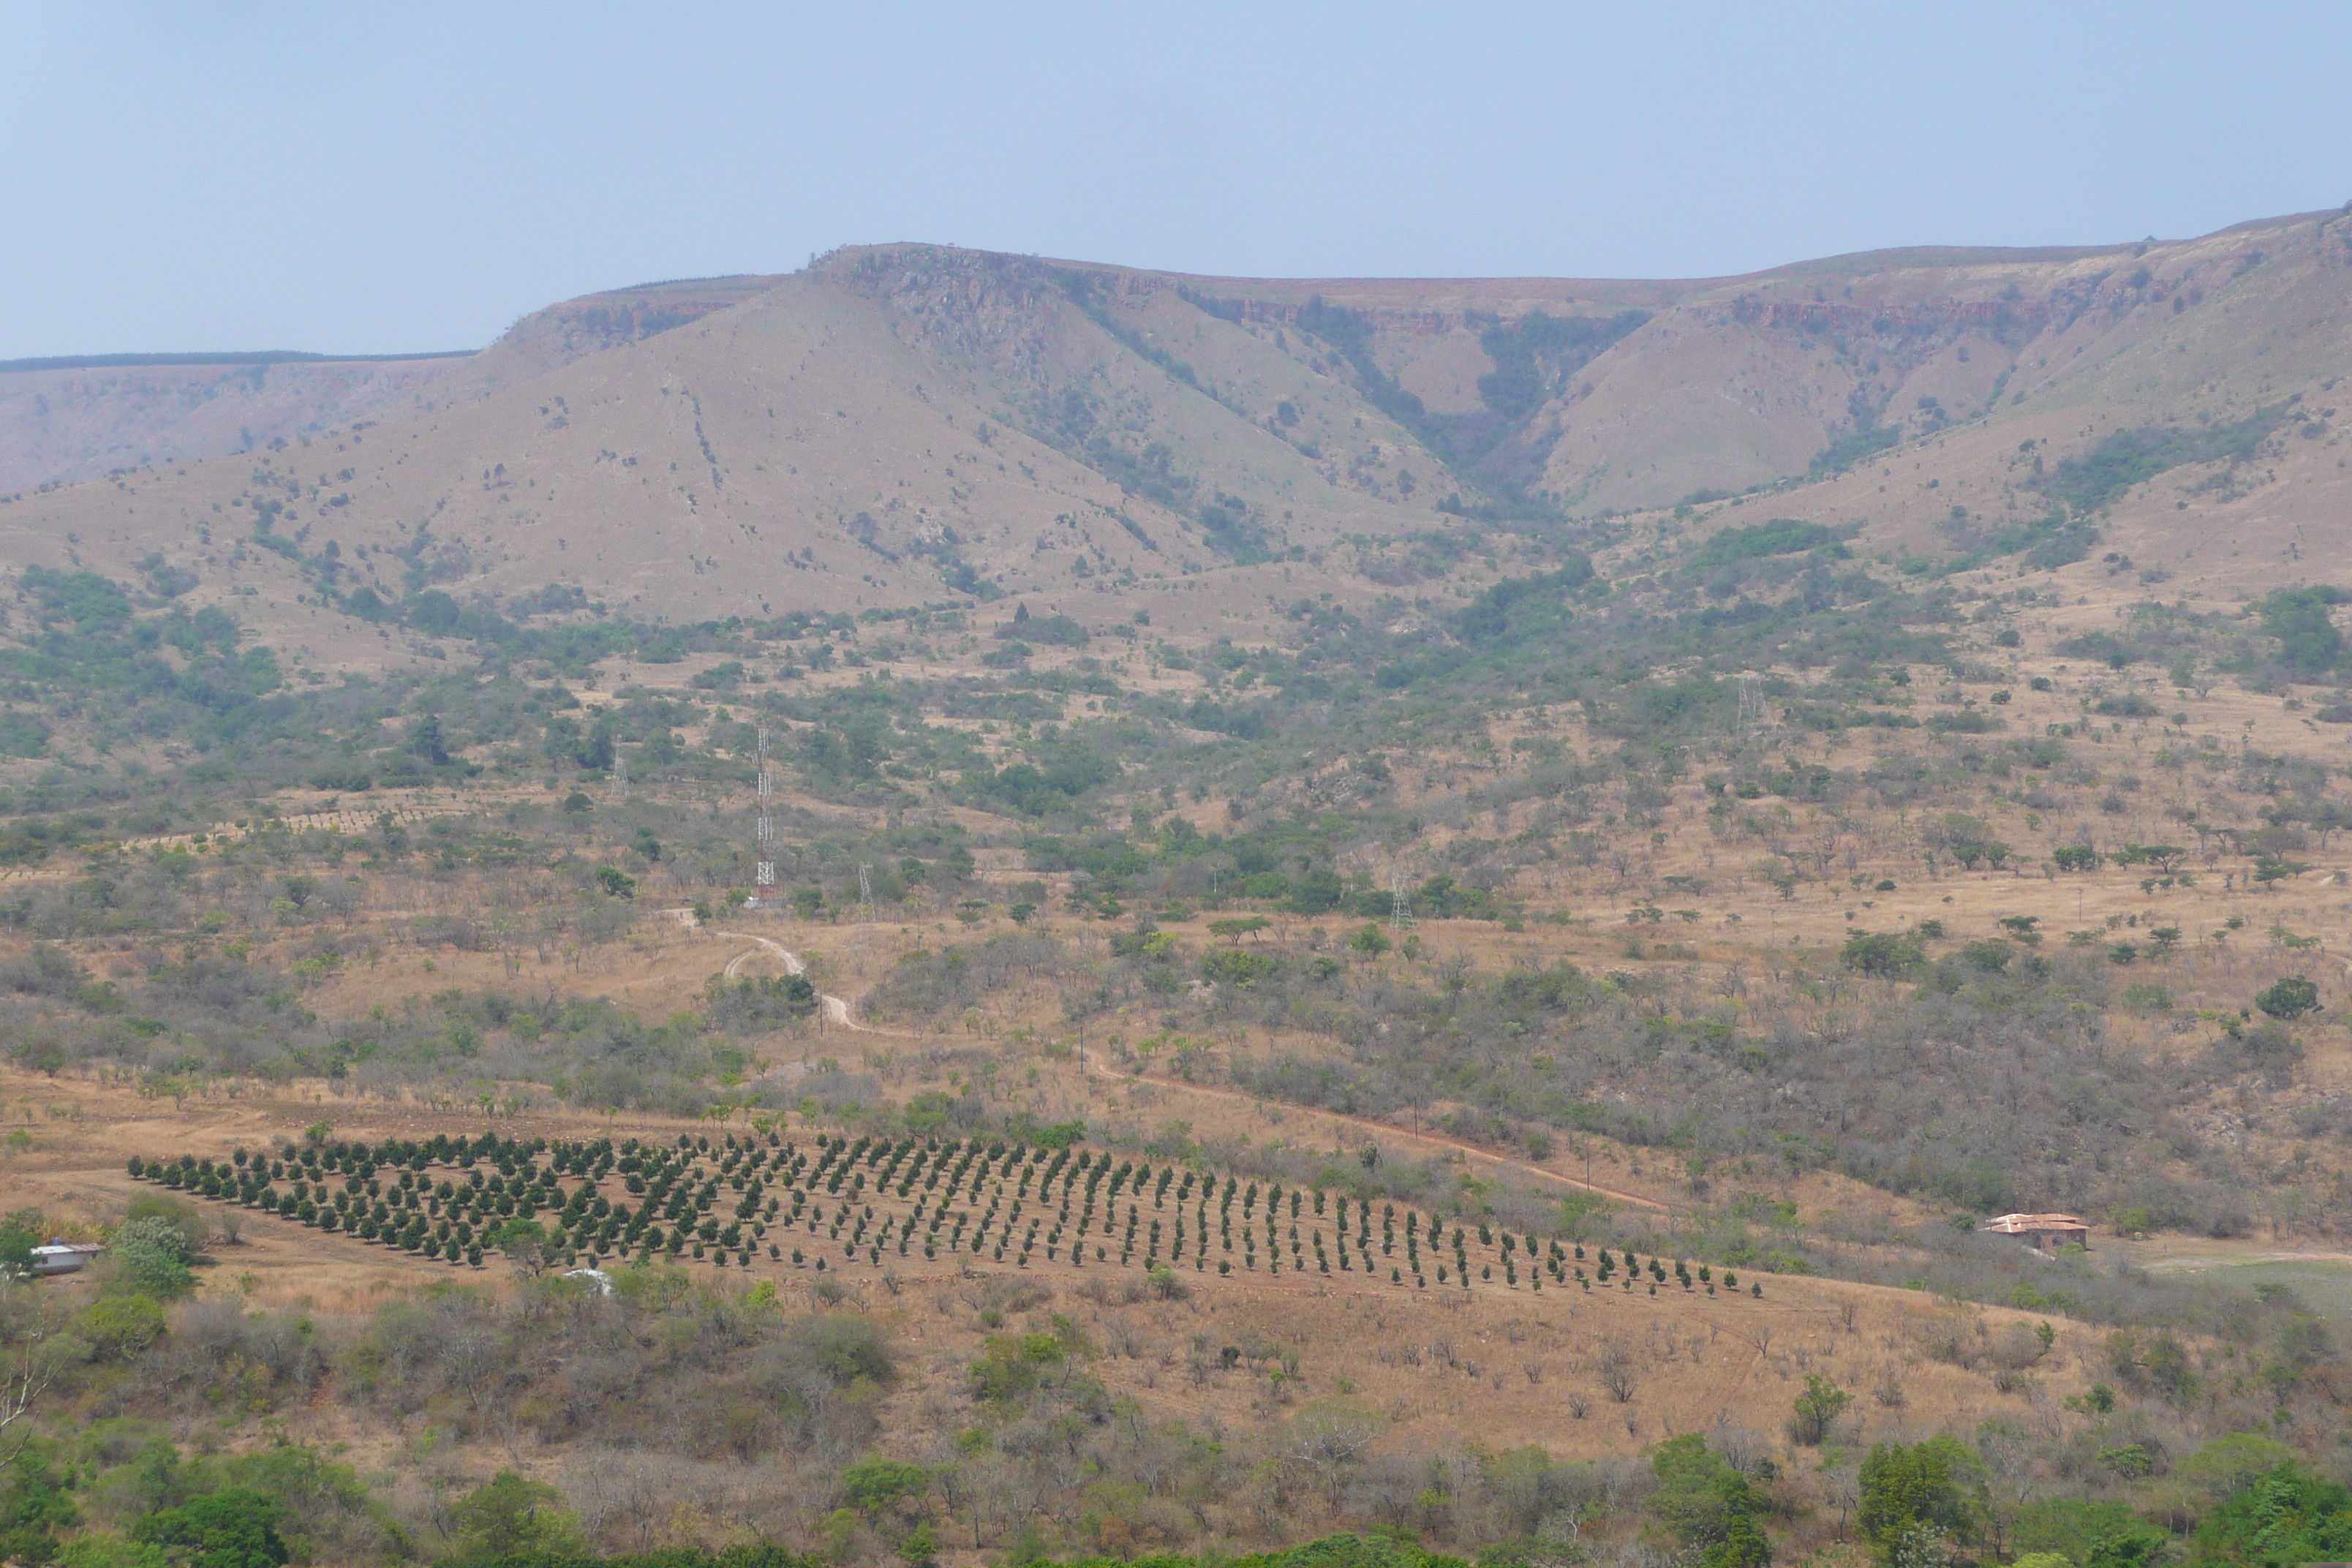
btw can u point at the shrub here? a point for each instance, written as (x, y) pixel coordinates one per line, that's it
(118, 1328)
(1882, 953)
(151, 1257)
(1990, 954)
(844, 1348)
(2308, 639)
(184, 1217)
(873, 1484)
(2066, 1527)
(1237, 966)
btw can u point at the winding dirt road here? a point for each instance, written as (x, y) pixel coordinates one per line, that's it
(837, 1011)
(834, 1009)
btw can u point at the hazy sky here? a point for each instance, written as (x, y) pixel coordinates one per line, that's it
(390, 178)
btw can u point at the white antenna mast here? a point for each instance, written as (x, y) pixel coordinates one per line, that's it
(764, 872)
(865, 908)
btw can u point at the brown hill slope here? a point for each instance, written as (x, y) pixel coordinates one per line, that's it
(895, 425)
(83, 420)
(901, 424)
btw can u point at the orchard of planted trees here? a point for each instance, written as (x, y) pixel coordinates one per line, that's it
(761, 1200)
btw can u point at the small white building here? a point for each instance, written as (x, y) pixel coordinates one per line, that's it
(2042, 1232)
(64, 1256)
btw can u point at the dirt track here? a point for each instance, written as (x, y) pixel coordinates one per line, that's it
(1389, 1130)
(836, 1011)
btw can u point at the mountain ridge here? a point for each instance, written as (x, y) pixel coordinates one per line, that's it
(906, 424)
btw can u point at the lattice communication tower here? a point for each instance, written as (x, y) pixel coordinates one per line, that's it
(764, 895)
(1751, 704)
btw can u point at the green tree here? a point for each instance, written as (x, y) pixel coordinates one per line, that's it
(235, 1527)
(34, 1506)
(20, 1232)
(526, 1244)
(2281, 1518)
(2067, 1527)
(2140, 1545)
(1708, 1504)
(2228, 1465)
(1370, 942)
(1817, 1409)
(425, 740)
(2289, 998)
(2307, 636)
(511, 1514)
(96, 1550)
(874, 1483)
(1935, 1484)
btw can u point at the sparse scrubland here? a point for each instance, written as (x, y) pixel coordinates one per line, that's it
(1488, 1037)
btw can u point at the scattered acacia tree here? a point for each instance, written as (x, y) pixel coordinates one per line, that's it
(1329, 1437)
(874, 1483)
(1817, 1410)
(1617, 1373)
(526, 1245)
(2289, 998)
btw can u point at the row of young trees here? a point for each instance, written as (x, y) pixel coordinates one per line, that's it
(974, 1193)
